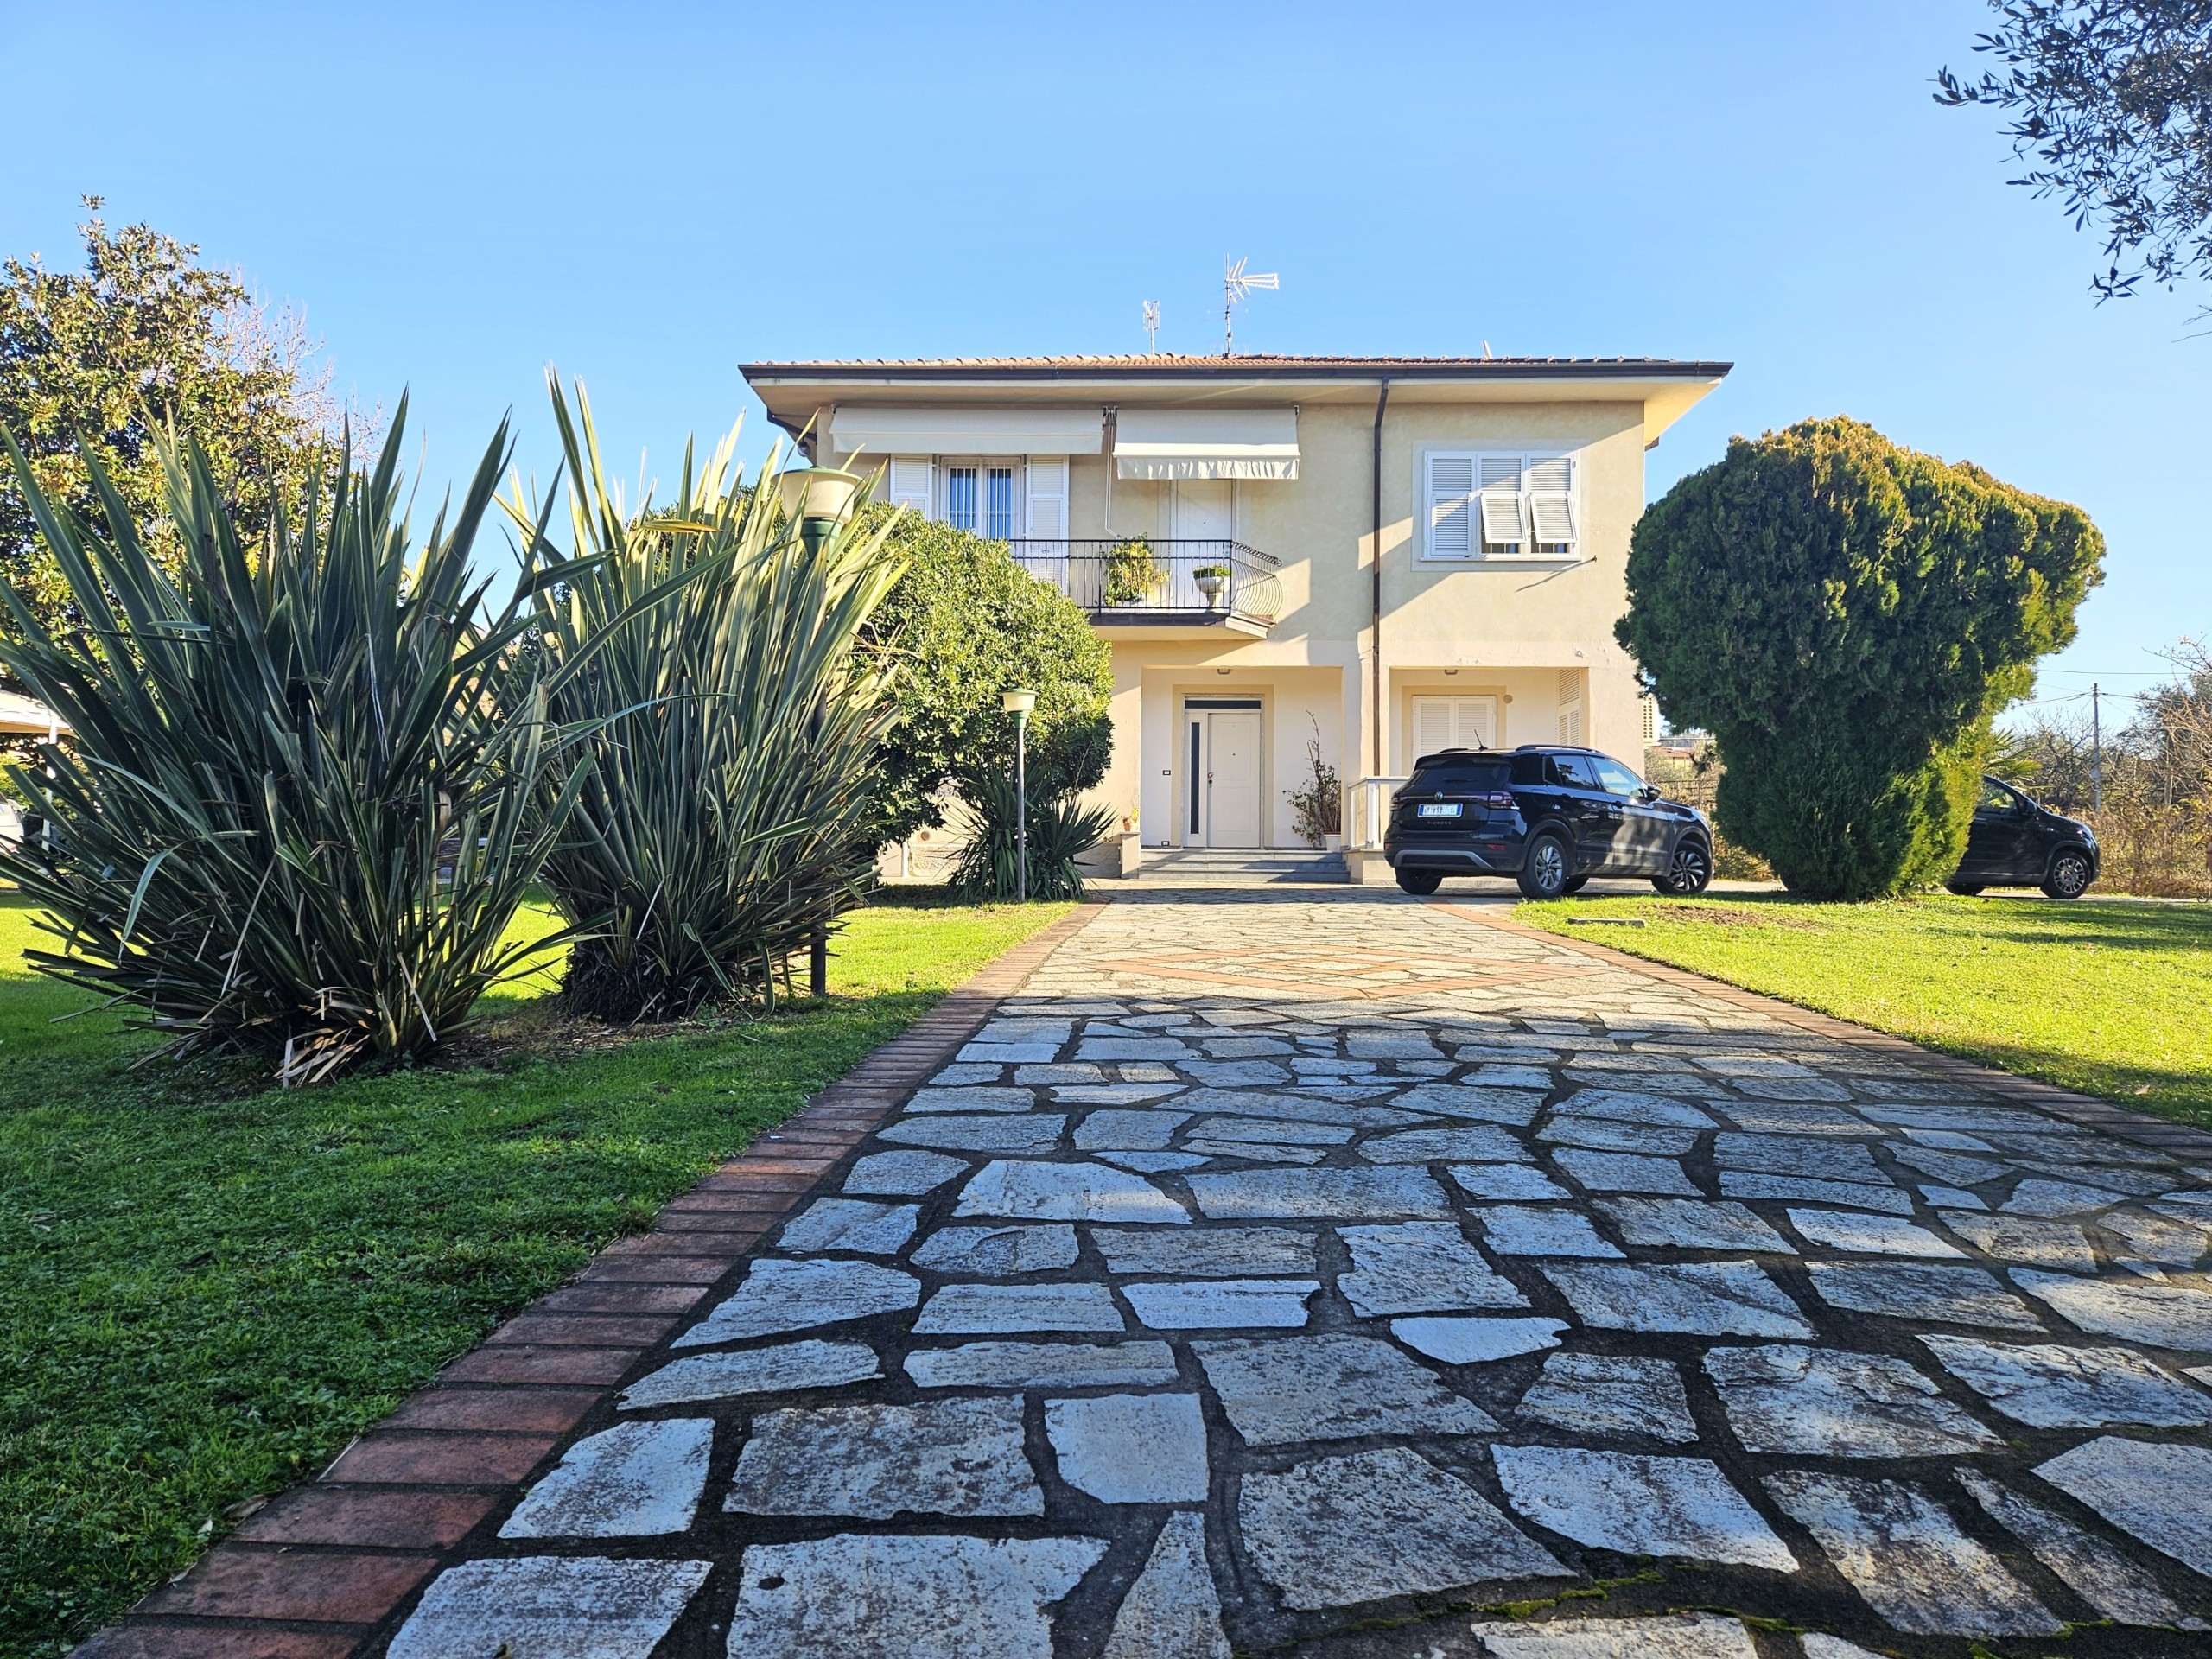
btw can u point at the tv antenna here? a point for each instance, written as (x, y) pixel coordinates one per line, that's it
(1238, 283)
(1152, 328)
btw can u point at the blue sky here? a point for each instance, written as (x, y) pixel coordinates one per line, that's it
(648, 195)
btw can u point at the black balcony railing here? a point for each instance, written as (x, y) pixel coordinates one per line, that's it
(1142, 579)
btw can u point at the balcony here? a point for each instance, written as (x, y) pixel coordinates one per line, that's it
(1144, 582)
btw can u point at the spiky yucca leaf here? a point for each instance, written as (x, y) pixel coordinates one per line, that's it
(1061, 831)
(288, 820)
(726, 813)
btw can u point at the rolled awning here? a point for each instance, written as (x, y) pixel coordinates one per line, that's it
(921, 430)
(1206, 443)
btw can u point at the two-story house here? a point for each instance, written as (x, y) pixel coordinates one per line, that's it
(1396, 554)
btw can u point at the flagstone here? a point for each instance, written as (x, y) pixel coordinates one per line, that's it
(2019, 1238)
(903, 1174)
(1308, 1106)
(869, 1597)
(1030, 1132)
(1473, 1341)
(1157, 1163)
(1339, 1531)
(1173, 1610)
(1390, 1046)
(1515, 1108)
(1664, 1636)
(1832, 1403)
(1505, 1182)
(857, 1226)
(779, 1295)
(1778, 1117)
(1611, 1395)
(2049, 1386)
(1131, 1448)
(636, 1479)
(1605, 1135)
(1043, 1365)
(2093, 1569)
(1222, 1304)
(1798, 1189)
(1112, 1094)
(1078, 1191)
(2154, 1237)
(1420, 1267)
(1281, 1391)
(1621, 1172)
(1812, 1089)
(1638, 1506)
(1281, 1131)
(1843, 1230)
(1517, 1229)
(2155, 1492)
(963, 1072)
(1692, 1225)
(1908, 1558)
(1712, 1298)
(948, 1456)
(549, 1607)
(1630, 1106)
(1206, 1252)
(1955, 1167)
(1060, 1072)
(781, 1369)
(1949, 1198)
(1317, 1194)
(992, 1310)
(2038, 1197)
(1938, 1296)
(1820, 1158)
(1470, 1143)
(992, 1098)
(1127, 1048)
(1257, 1151)
(1128, 1131)
(997, 1252)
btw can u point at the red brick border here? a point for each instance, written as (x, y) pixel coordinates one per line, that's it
(2178, 1138)
(315, 1574)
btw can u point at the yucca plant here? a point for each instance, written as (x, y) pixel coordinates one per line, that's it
(725, 813)
(293, 816)
(1061, 830)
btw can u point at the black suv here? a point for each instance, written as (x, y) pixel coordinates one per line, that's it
(2015, 842)
(1551, 814)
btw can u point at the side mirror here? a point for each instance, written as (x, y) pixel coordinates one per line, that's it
(1648, 793)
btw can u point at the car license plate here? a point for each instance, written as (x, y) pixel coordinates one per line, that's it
(1441, 809)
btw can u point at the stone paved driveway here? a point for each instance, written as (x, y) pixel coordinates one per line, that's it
(1339, 1275)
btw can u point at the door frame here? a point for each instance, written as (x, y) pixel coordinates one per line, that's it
(1258, 698)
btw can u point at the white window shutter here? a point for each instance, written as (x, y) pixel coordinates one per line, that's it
(1432, 725)
(1551, 501)
(1451, 502)
(910, 483)
(1047, 517)
(1505, 528)
(1570, 705)
(1477, 720)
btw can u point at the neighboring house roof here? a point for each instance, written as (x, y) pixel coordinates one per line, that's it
(796, 392)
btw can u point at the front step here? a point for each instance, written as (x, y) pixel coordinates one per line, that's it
(1235, 865)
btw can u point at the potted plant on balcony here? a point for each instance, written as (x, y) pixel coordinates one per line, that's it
(1132, 573)
(1213, 582)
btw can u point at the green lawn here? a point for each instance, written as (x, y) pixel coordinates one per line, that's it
(2106, 998)
(207, 1288)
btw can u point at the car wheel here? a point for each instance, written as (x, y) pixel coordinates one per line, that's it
(2069, 876)
(1689, 872)
(1420, 883)
(1964, 889)
(1574, 884)
(1545, 875)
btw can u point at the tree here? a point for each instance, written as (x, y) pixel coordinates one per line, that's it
(2111, 104)
(966, 623)
(1847, 617)
(144, 337)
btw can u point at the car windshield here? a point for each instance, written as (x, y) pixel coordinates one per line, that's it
(1457, 777)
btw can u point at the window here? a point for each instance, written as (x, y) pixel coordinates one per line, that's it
(1500, 504)
(1453, 723)
(1616, 778)
(1573, 770)
(980, 497)
(1461, 776)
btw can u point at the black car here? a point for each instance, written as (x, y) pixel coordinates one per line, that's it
(2016, 843)
(1552, 814)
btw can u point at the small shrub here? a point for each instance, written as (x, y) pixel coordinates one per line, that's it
(1317, 804)
(1132, 573)
(1061, 831)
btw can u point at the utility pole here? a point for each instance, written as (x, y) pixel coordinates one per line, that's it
(2096, 752)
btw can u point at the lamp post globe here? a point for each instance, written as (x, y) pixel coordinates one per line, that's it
(1018, 701)
(817, 500)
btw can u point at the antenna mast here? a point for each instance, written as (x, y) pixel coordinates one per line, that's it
(1236, 285)
(1152, 328)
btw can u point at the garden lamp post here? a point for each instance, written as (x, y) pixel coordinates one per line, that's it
(817, 500)
(1017, 701)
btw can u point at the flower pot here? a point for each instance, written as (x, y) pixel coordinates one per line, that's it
(1213, 588)
(1333, 844)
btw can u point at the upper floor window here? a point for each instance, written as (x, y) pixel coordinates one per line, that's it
(980, 497)
(1491, 504)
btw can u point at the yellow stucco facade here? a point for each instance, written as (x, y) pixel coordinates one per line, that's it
(1515, 639)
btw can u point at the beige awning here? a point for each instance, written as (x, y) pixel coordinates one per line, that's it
(20, 715)
(886, 430)
(1206, 443)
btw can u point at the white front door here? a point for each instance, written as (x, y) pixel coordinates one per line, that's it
(1232, 778)
(1453, 723)
(1205, 510)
